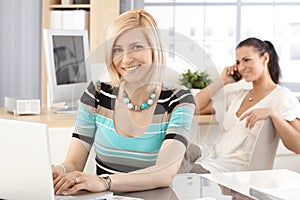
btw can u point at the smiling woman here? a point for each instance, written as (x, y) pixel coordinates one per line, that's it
(133, 122)
(133, 59)
(243, 111)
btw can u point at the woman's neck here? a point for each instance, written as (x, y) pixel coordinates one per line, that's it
(263, 85)
(144, 87)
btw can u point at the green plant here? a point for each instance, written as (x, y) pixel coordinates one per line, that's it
(197, 79)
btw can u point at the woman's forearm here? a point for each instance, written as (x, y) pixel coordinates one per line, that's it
(203, 98)
(289, 132)
(126, 182)
(77, 155)
(159, 175)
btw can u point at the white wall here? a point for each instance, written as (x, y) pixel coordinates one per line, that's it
(20, 48)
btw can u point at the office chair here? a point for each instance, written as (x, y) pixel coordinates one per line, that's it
(265, 147)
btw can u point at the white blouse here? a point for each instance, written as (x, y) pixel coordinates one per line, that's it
(233, 147)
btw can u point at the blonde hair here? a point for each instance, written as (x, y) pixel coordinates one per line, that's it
(133, 19)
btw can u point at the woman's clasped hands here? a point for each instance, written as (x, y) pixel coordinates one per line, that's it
(70, 183)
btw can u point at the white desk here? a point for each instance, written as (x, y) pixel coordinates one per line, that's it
(242, 181)
(222, 186)
(187, 186)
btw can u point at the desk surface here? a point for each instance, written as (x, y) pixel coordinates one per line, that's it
(205, 119)
(279, 180)
(47, 116)
(227, 186)
(55, 120)
(189, 186)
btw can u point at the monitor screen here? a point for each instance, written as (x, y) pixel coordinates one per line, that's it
(68, 59)
(68, 69)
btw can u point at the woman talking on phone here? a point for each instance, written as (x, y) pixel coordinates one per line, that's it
(242, 111)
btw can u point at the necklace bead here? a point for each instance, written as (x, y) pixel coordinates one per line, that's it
(153, 95)
(130, 106)
(143, 106)
(126, 100)
(150, 102)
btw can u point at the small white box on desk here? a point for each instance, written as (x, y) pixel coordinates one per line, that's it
(20, 105)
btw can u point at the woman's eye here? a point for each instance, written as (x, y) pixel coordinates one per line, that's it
(136, 47)
(117, 50)
(247, 59)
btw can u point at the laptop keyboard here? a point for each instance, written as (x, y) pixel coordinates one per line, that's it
(57, 197)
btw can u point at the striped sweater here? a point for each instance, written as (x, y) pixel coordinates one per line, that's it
(115, 153)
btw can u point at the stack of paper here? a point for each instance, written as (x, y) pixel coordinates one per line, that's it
(56, 19)
(69, 19)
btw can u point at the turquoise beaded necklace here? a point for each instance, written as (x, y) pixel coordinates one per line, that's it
(143, 106)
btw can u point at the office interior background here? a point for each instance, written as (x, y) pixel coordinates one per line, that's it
(215, 25)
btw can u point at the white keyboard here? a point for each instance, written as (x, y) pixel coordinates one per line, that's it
(63, 197)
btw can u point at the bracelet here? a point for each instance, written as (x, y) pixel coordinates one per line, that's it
(63, 167)
(107, 180)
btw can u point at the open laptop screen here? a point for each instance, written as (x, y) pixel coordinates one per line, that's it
(25, 169)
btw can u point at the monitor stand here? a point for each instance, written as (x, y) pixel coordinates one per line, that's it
(68, 108)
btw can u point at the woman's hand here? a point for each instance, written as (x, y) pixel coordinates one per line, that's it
(256, 115)
(227, 74)
(58, 170)
(70, 183)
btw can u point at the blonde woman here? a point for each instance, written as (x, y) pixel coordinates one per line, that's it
(138, 127)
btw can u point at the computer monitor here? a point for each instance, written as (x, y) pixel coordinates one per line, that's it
(68, 67)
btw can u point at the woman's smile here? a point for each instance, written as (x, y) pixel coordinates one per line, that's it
(131, 69)
(133, 56)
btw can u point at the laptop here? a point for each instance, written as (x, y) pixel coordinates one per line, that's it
(25, 163)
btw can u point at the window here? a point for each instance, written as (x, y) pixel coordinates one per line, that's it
(218, 25)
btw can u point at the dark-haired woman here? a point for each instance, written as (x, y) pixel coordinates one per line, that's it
(241, 111)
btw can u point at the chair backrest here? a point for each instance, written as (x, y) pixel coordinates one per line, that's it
(265, 147)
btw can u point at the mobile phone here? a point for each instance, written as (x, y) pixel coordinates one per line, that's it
(236, 75)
